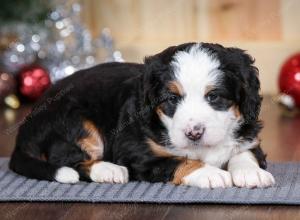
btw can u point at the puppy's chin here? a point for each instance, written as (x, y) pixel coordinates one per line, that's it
(191, 145)
(179, 141)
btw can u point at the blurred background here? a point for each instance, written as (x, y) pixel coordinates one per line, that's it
(44, 41)
(269, 29)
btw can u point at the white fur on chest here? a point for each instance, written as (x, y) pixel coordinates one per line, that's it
(217, 155)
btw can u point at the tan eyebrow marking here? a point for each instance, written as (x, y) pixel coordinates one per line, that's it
(208, 89)
(176, 88)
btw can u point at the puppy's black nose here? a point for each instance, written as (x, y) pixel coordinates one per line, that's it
(195, 133)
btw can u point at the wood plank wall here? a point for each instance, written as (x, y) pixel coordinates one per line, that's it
(268, 29)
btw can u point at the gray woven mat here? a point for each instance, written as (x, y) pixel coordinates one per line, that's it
(17, 188)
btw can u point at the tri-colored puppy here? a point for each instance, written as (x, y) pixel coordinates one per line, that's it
(188, 115)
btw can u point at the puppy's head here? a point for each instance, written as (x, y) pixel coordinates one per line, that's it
(203, 94)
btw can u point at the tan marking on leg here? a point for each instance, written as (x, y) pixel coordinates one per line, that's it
(184, 169)
(92, 144)
(158, 150)
(86, 165)
(176, 88)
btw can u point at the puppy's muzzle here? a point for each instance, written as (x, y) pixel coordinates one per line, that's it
(195, 133)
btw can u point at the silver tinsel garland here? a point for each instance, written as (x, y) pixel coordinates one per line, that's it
(62, 46)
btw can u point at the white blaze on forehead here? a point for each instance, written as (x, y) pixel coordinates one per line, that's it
(195, 69)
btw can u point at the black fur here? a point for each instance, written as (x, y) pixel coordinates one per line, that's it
(120, 98)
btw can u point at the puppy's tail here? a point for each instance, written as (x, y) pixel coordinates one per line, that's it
(32, 167)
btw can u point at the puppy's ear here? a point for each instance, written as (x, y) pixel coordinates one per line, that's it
(250, 99)
(156, 67)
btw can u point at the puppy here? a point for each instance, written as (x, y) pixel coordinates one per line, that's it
(188, 115)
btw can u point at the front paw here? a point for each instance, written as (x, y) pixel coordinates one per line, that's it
(252, 177)
(105, 172)
(208, 177)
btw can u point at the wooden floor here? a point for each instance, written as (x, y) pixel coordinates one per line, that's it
(280, 139)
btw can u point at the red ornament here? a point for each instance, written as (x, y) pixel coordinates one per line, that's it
(289, 82)
(33, 81)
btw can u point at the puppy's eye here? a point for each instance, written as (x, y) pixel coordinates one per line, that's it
(212, 97)
(173, 99)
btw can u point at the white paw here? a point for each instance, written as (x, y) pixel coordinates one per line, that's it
(208, 177)
(252, 177)
(66, 175)
(109, 173)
